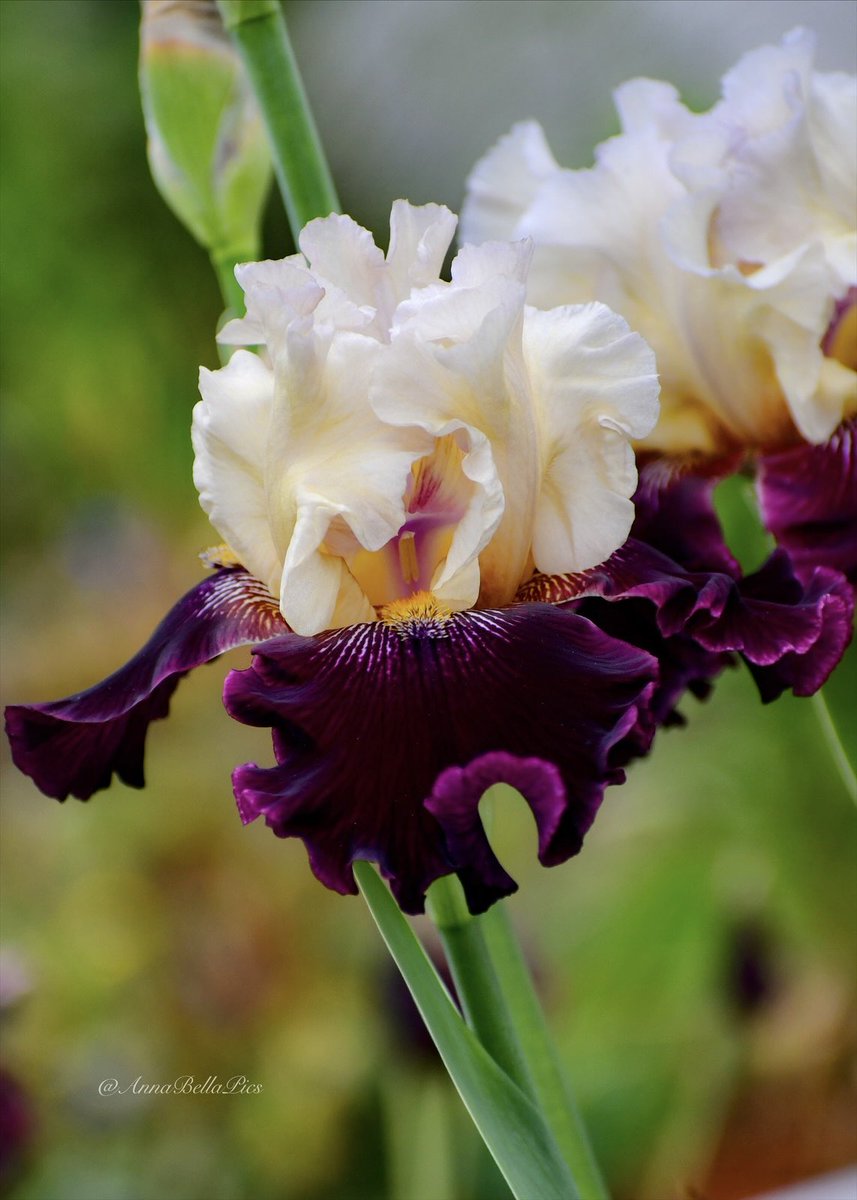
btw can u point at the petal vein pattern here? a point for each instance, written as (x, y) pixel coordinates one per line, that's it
(368, 723)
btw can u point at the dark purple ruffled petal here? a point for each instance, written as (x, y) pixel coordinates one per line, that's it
(73, 746)
(386, 735)
(826, 610)
(674, 514)
(684, 665)
(791, 631)
(808, 497)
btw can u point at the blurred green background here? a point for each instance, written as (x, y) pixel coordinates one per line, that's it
(696, 960)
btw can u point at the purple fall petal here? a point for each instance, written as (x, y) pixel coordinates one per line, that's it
(808, 497)
(675, 515)
(791, 631)
(73, 746)
(826, 607)
(385, 735)
(674, 590)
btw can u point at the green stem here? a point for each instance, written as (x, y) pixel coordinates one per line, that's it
(475, 979)
(512, 1128)
(550, 1088)
(230, 289)
(499, 1003)
(259, 32)
(834, 744)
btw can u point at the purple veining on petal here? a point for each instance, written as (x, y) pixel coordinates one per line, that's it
(808, 497)
(74, 746)
(383, 735)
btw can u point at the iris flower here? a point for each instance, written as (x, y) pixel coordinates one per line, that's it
(728, 240)
(400, 457)
(424, 493)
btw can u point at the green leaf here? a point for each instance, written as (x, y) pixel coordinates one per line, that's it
(511, 1127)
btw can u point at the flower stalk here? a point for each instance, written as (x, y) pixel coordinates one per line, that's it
(259, 31)
(496, 991)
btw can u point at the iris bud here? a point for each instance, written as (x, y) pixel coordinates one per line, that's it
(207, 146)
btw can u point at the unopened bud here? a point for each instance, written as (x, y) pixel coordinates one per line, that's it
(207, 146)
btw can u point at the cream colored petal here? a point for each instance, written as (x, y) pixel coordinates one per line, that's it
(504, 183)
(478, 387)
(275, 292)
(330, 458)
(472, 487)
(420, 236)
(756, 337)
(781, 151)
(318, 592)
(341, 251)
(433, 397)
(229, 434)
(595, 388)
(646, 105)
(763, 88)
(460, 590)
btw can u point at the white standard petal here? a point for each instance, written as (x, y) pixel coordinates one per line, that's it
(275, 292)
(455, 366)
(420, 236)
(329, 460)
(229, 432)
(345, 260)
(780, 150)
(318, 591)
(341, 251)
(595, 388)
(412, 387)
(504, 183)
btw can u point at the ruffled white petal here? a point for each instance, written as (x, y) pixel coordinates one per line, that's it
(595, 387)
(723, 238)
(455, 367)
(504, 183)
(787, 159)
(403, 434)
(419, 239)
(229, 432)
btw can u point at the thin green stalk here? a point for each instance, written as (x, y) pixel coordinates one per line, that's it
(512, 1128)
(499, 1003)
(230, 289)
(475, 979)
(834, 744)
(550, 1088)
(259, 31)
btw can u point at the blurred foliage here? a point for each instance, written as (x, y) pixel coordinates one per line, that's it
(697, 959)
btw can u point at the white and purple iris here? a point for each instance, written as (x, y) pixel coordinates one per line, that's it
(425, 491)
